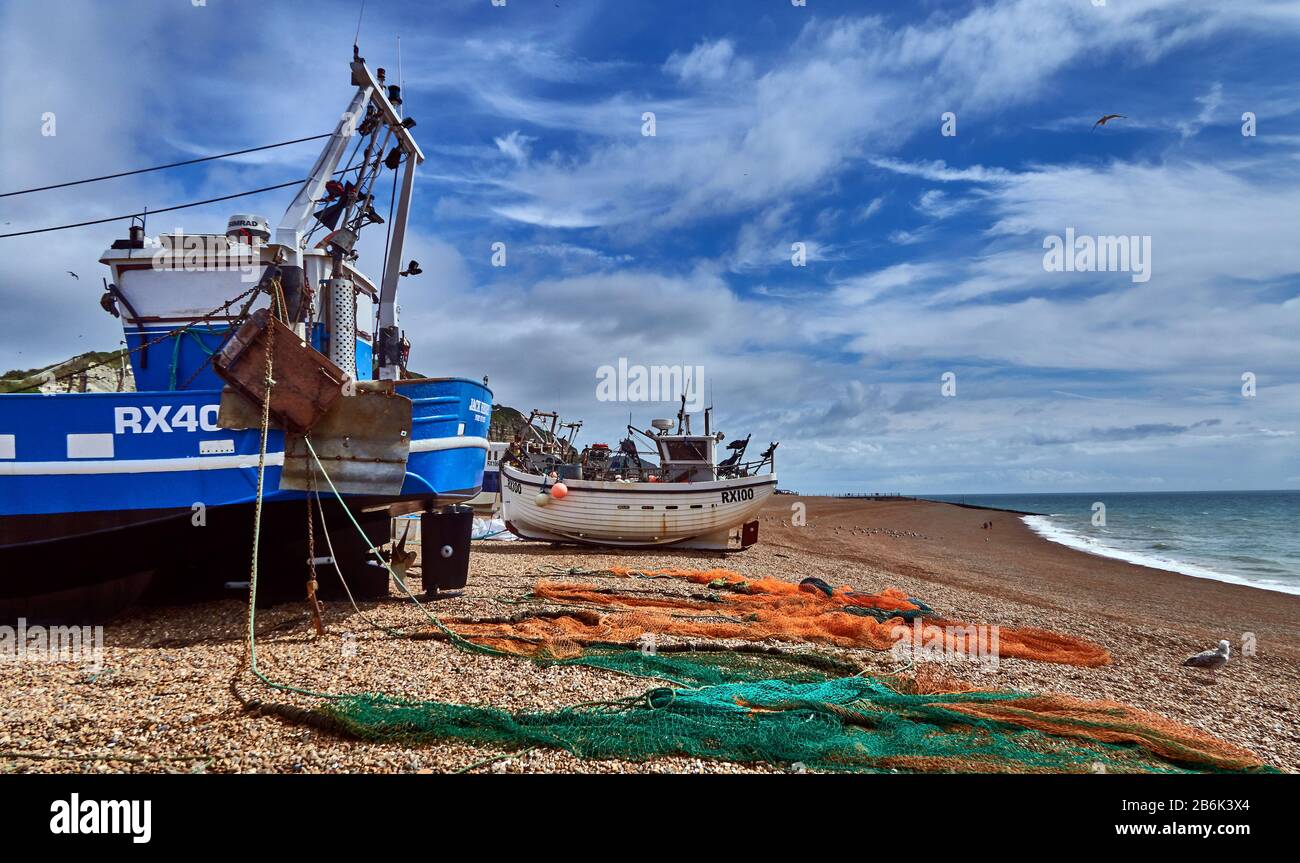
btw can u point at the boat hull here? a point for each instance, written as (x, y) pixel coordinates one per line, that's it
(86, 568)
(95, 452)
(100, 487)
(633, 515)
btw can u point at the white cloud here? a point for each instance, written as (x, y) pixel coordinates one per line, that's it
(871, 208)
(847, 89)
(869, 287)
(708, 63)
(938, 204)
(847, 370)
(515, 145)
(1210, 104)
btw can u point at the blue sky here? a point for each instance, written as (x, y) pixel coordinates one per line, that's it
(775, 125)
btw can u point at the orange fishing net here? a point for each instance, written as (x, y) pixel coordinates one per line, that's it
(757, 610)
(749, 702)
(1113, 722)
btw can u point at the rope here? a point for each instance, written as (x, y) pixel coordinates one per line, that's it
(387, 630)
(161, 167)
(456, 639)
(388, 233)
(251, 651)
(106, 756)
(486, 761)
(163, 209)
(152, 212)
(269, 382)
(312, 585)
(230, 332)
(176, 351)
(654, 697)
(119, 355)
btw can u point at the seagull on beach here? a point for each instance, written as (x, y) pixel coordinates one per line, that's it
(1106, 119)
(1211, 659)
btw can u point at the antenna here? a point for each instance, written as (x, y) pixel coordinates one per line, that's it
(401, 82)
(356, 40)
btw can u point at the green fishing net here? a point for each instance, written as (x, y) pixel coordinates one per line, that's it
(814, 719)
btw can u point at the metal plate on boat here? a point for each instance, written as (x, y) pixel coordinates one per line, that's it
(239, 412)
(363, 443)
(306, 383)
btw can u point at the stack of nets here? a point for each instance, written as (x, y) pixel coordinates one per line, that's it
(752, 703)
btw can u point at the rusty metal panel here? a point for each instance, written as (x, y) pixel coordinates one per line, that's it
(306, 384)
(237, 412)
(363, 443)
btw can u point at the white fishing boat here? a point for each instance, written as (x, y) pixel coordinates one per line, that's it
(539, 443)
(689, 500)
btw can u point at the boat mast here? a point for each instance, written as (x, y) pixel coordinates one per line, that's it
(289, 236)
(388, 336)
(293, 226)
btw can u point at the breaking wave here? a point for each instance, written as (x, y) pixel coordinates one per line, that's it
(1049, 530)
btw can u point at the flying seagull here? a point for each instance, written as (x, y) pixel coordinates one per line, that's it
(1106, 119)
(74, 275)
(1211, 659)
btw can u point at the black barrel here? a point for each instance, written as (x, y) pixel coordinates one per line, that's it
(444, 548)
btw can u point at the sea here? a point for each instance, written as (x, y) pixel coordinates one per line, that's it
(1243, 537)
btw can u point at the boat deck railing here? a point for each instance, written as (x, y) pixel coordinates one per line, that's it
(743, 469)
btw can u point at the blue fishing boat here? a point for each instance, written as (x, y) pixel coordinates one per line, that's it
(104, 493)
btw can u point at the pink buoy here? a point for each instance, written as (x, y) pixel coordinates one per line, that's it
(559, 490)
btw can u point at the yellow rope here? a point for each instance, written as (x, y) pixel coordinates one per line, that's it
(269, 383)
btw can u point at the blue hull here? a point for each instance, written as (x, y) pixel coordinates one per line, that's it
(97, 489)
(93, 452)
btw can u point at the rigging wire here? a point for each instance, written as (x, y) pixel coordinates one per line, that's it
(388, 233)
(165, 209)
(357, 38)
(311, 233)
(151, 212)
(162, 167)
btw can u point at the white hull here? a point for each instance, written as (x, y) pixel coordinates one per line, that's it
(685, 515)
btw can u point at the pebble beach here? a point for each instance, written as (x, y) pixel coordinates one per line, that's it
(170, 694)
